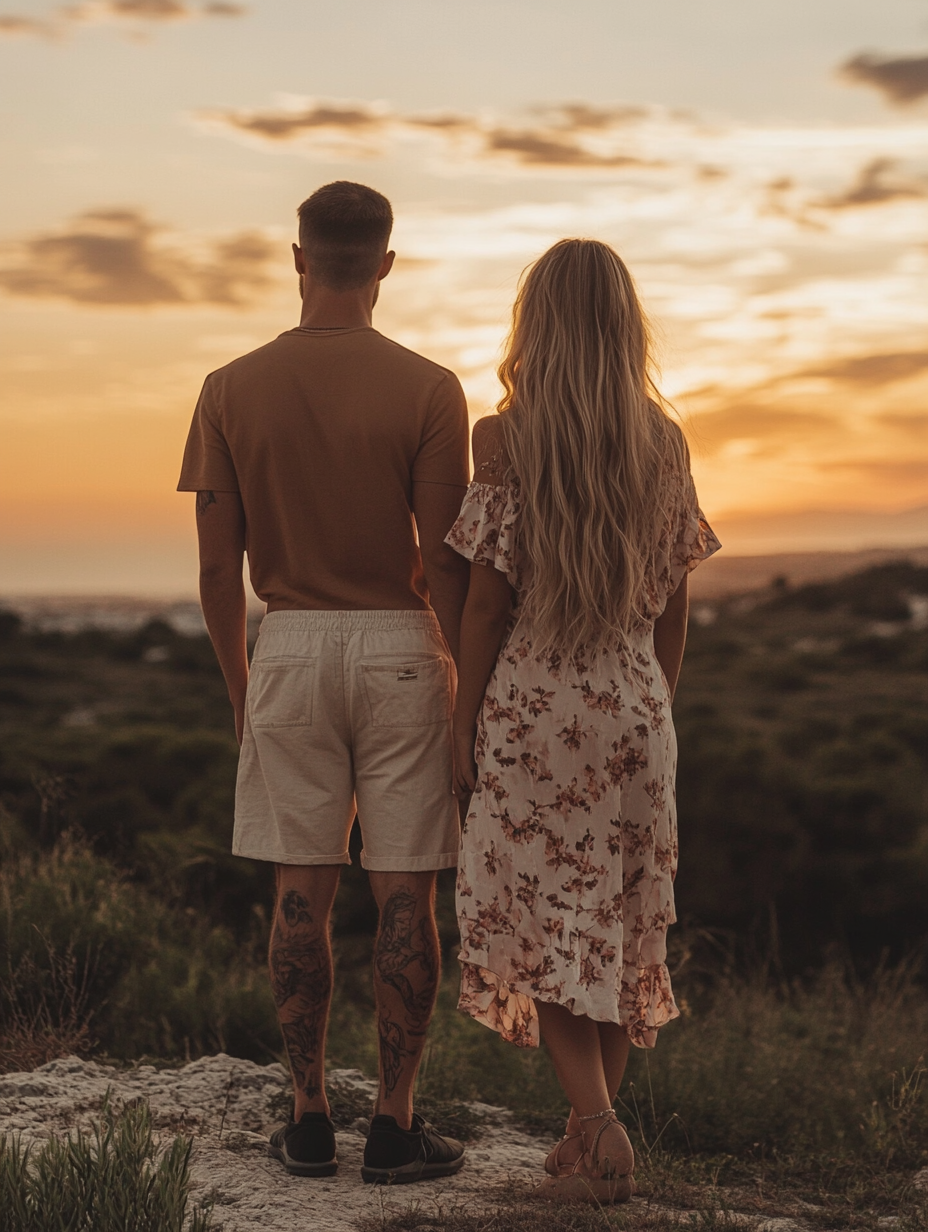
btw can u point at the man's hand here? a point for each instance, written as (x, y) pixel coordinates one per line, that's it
(239, 711)
(221, 534)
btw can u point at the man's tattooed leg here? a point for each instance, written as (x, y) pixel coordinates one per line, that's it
(300, 961)
(393, 1052)
(406, 970)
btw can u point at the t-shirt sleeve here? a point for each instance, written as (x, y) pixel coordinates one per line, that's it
(207, 465)
(443, 449)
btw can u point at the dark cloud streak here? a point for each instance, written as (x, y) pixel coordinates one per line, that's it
(13, 26)
(119, 11)
(114, 257)
(900, 79)
(560, 137)
(872, 187)
(873, 370)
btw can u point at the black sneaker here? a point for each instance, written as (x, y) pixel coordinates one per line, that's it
(307, 1147)
(394, 1156)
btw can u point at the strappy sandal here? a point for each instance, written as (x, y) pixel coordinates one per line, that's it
(553, 1165)
(600, 1183)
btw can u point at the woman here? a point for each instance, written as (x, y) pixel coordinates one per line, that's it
(581, 525)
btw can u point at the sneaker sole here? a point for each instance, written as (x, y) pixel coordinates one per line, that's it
(408, 1174)
(298, 1168)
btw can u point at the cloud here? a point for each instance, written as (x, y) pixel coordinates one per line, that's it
(901, 79)
(11, 26)
(540, 149)
(873, 186)
(292, 123)
(896, 473)
(873, 370)
(571, 135)
(749, 421)
(914, 425)
(117, 256)
(98, 12)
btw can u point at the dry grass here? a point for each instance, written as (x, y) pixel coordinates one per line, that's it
(44, 1011)
(675, 1195)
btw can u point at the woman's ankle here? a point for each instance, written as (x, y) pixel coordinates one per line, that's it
(607, 1147)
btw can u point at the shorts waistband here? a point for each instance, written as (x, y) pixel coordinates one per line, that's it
(360, 619)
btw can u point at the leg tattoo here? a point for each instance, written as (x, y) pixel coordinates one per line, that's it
(393, 1052)
(301, 981)
(406, 961)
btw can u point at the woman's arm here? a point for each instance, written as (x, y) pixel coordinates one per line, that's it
(670, 634)
(486, 612)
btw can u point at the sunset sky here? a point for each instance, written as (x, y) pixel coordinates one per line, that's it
(762, 165)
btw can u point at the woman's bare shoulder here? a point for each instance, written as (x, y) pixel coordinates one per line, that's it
(490, 461)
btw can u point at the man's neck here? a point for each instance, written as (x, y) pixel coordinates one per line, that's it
(325, 309)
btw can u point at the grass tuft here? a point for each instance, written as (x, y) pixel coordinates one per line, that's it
(110, 1180)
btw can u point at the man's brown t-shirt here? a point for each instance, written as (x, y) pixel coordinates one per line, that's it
(324, 434)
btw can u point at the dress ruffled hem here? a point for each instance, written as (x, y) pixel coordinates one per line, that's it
(644, 1004)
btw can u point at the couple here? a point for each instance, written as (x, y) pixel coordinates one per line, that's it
(339, 461)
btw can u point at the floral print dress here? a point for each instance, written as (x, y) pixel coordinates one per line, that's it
(569, 850)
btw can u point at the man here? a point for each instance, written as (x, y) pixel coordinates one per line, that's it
(338, 459)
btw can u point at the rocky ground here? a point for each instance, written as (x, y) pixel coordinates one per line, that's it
(230, 1106)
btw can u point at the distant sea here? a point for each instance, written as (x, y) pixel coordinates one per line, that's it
(723, 575)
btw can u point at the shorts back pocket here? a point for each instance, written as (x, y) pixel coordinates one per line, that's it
(412, 692)
(280, 692)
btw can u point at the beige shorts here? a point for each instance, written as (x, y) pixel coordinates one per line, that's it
(346, 711)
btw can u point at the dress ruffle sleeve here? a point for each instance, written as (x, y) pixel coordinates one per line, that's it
(485, 531)
(693, 541)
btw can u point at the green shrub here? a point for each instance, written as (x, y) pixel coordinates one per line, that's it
(109, 1181)
(156, 979)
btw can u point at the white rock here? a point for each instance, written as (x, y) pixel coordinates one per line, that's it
(230, 1106)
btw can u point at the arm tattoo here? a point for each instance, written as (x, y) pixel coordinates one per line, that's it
(204, 500)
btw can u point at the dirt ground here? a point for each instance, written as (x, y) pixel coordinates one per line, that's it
(230, 1106)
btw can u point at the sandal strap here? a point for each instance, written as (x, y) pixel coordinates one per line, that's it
(557, 1150)
(593, 1152)
(594, 1147)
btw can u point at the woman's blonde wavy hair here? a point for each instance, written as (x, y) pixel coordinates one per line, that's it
(586, 436)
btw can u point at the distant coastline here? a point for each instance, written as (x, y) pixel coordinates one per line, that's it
(725, 574)
(728, 574)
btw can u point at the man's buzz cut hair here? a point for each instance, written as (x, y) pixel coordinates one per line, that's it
(344, 231)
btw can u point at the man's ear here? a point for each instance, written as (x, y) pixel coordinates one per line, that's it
(298, 260)
(386, 265)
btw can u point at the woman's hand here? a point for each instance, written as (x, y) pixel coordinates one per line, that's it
(465, 768)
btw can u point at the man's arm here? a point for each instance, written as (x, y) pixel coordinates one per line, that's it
(436, 507)
(221, 532)
(670, 633)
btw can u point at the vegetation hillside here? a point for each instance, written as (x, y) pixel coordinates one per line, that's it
(127, 930)
(802, 719)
